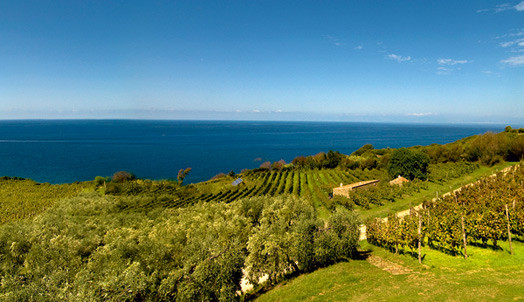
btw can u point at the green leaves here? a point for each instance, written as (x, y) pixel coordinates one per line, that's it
(409, 164)
(88, 249)
(291, 238)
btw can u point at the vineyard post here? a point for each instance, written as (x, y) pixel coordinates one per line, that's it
(464, 237)
(509, 230)
(419, 237)
(428, 223)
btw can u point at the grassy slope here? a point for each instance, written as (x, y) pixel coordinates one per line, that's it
(433, 188)
(487, 275)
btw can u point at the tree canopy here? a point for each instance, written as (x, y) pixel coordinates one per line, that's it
(408, 163)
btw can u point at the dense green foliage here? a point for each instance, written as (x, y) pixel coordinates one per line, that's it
(481, 208)
(409, 164)
(88, 249)
(489, 148)
(313, 177)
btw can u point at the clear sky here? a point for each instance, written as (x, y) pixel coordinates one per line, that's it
(432, 61)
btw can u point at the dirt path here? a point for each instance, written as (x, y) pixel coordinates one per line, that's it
(388, 266)
(418, 207)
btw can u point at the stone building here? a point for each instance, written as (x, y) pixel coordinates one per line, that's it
(344, 190)
(398, 181)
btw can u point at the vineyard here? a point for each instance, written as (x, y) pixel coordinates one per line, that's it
(481, 214)
(24, 198)
(314, 184)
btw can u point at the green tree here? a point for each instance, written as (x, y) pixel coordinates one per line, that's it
(283, 241)
(407, 163)
(333, 159)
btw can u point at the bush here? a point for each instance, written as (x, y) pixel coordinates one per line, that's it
(113, 188)
(265, 165)
(218, 176)
(332, 159)
(343, 201)
(122, 176)
(278, 165)
(299, 161)
(99, 180)
(363, 149)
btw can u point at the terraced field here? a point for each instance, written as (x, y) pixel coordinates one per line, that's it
(313, 184)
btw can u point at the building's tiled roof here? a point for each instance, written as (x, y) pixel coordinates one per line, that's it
(356, 185)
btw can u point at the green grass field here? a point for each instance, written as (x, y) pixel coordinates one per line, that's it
(487, 275)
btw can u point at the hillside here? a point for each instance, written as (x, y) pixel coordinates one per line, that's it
(122, 238)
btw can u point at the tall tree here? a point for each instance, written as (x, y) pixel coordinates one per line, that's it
(410, 164)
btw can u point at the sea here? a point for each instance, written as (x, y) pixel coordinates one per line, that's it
(64, 151)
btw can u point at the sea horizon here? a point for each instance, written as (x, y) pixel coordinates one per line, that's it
(514, 125)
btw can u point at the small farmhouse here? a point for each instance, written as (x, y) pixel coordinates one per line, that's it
(344, 190)
(398, 181)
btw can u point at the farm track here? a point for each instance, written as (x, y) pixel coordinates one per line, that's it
(388, 266)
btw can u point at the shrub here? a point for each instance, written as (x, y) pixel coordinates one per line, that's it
(299, 161)
(113, 188)
(363, 149)
(122, 176)
(218, 176)
(265, 165)
(488, 148)
(332, 159)
(278, 165)
(99, 180)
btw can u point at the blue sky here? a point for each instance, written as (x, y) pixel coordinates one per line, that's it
(406, 61)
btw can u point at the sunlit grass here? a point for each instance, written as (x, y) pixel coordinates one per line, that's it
(487, 274)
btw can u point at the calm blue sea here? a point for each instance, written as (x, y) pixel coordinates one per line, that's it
(59, 151)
